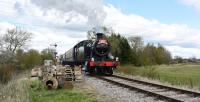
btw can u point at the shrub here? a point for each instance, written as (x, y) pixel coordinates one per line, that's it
(6, 73)
(150, 72)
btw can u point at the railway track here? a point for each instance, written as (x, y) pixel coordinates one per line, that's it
(160, 92)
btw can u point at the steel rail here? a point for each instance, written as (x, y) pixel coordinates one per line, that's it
(195, 94)
(149, 93)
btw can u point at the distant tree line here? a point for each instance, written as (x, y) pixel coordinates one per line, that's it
(179, 59)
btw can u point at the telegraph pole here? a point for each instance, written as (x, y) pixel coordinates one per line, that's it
(55, 53)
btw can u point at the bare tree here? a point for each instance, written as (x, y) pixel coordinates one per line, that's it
(91, 34)
(15, 38)
(136, 43)
(1, 43)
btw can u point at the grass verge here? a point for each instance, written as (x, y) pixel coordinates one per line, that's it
(40, 94)
(179, 74)
(21, 89)
(15, 91)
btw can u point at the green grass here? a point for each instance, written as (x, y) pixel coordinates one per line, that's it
(39, 94)
(179, 74)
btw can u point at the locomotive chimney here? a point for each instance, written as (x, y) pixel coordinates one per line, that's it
(99, 36)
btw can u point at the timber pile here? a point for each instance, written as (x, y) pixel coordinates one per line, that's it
(54, 77)
(78, 73)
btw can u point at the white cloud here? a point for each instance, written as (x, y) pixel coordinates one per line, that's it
(184, 52)
(92, 9)
(63, 12)
(43, 38)
(193, 3)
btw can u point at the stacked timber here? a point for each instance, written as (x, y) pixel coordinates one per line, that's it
(78, 73)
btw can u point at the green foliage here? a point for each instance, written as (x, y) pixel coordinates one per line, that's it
(47, 54)
(148, 55)
(29, 59)
(125, 50)
(178, 59)
(162, 55)
(120, 47)
(36, 85)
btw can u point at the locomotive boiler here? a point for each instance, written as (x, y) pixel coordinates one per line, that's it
(94, 56)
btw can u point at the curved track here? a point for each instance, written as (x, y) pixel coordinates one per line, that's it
(160, 92)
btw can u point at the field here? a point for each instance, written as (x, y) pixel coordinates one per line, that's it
(178, 74)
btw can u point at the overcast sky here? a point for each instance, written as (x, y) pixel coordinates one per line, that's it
(173, 23)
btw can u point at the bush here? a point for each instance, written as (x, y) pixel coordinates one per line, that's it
(6, 73)
(150, 72)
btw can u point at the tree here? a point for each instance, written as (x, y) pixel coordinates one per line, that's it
(120, 47)
(178, 59)
(148, 55)
(162, 55)
(15, 38)
(91, 34)
(32, 58)
(6, 57)
(125, 50)
(114, 40)
(136, 43)
(137, 46)
(47, 54)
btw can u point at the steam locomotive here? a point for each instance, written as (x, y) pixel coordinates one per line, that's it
(94, 56)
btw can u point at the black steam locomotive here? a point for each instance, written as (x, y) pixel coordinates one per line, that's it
(94, 56)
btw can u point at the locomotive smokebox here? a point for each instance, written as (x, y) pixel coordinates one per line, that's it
(101, 46)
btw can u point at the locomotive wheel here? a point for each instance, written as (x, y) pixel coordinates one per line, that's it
(109, 71)
(97, 71)
(103, 71)
(91, 71)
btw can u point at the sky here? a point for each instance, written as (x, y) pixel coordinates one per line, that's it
(173, 23)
